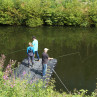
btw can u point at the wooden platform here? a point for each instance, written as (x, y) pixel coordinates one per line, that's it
(34, 73)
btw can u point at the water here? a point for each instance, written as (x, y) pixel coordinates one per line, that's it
(75, 71)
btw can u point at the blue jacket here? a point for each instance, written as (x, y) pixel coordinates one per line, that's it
(30, 48)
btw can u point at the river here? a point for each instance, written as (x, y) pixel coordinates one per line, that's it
(77, 71)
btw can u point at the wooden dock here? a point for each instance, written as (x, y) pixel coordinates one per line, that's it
(35, 72)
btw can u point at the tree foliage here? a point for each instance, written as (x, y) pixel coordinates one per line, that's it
(48, 12)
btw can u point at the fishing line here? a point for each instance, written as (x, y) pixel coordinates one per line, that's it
(15, 51)
(88, 57)
(57, 74)
(61, 81)
(68, 54)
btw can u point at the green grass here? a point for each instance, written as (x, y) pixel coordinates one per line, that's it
(20, 88)
(10, 86)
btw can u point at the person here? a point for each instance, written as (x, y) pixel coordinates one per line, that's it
(30, 53)
(35, 44)
(45, 59)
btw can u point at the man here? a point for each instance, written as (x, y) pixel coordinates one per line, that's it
(30, 53)
(35, 44)
(45, 59)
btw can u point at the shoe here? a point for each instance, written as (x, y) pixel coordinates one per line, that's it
(30, 66)
(38, 60)
(43, 76)
(27, 65)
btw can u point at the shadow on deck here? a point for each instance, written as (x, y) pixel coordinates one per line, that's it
(35, 72)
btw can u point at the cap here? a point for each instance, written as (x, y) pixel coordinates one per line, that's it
(34, 37)
(46, 49)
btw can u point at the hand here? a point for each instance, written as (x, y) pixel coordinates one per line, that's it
(50, 58)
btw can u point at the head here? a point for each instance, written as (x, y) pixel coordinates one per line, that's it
(46, 50)
(30, 44)
(33, 37)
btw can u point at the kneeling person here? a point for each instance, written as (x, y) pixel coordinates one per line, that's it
(30, 53)
(45, 59)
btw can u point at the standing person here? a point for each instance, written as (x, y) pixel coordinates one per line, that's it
(30, 53)
(35, 44)
(45, 59)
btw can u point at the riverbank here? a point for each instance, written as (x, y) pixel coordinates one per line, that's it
(35, 13)
(11, 86)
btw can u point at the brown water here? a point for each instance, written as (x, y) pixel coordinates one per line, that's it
(75, 71)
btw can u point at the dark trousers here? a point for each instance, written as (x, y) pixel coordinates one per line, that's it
(36, 52)
(30, 60)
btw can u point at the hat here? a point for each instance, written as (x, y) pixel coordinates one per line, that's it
(34, 37)
(46, 49)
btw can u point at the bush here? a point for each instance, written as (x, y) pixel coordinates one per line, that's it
(15, 87)
(33, 22)
(93, 13)
(49, 12)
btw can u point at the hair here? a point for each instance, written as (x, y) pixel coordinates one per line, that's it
(30, 44)
(34, 37)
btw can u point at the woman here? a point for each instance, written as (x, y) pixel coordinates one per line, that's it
(30, 53)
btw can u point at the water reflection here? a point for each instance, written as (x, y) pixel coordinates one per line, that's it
(75, 73)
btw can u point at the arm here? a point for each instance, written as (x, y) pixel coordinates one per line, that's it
(33, 43)
(27, 50)
(50, 58)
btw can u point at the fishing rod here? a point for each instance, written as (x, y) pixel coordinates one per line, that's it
(88, 57)
(55, 57)
(16, 51)
(58, 75)
(68, 54)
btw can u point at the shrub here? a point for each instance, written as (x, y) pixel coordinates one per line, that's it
(93, 13)
(15, 87)
(33, 22)
(49, 12)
